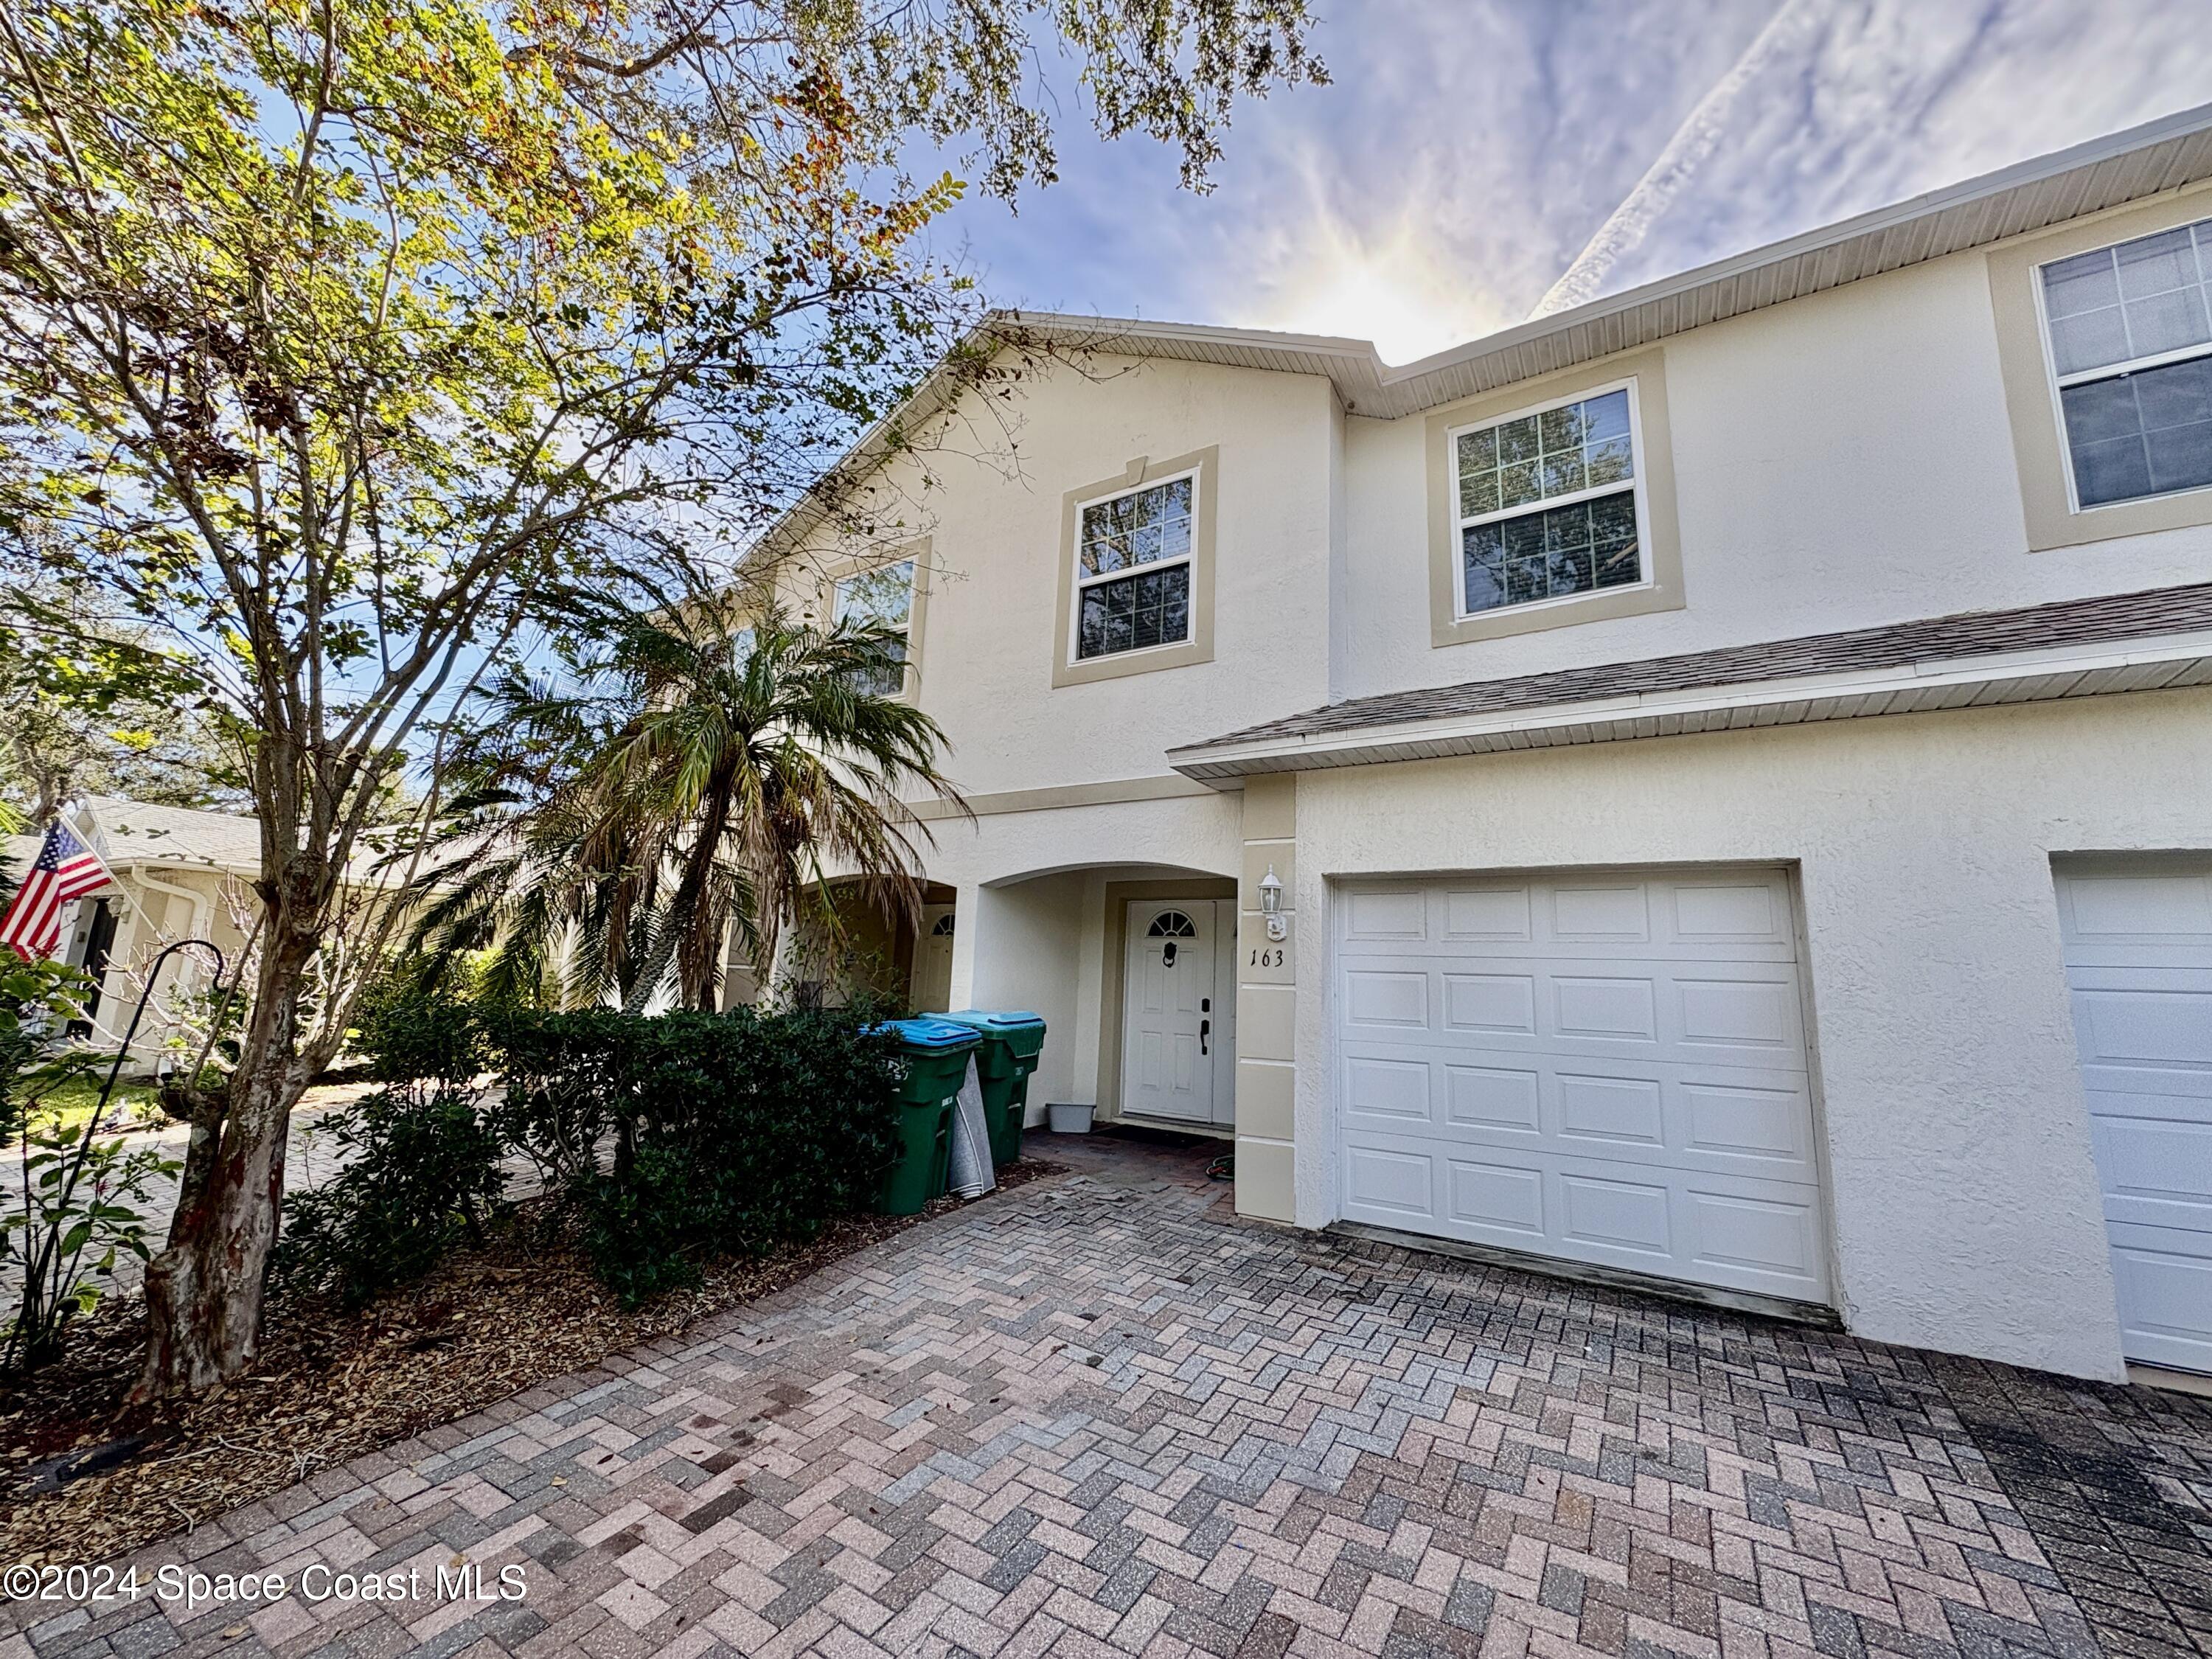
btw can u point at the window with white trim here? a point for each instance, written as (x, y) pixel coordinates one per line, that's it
(2130, 332)
(1133, 569)
(1550, 503)
(884, 594)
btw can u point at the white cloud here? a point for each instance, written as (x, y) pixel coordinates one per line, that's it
(1886, 99)
(1470, 148)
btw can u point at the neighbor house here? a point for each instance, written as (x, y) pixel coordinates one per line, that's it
(178, 873)
(1736, 754)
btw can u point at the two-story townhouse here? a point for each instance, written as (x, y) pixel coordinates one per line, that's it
(1736, 757)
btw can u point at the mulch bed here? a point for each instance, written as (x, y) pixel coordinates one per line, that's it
(330, 1386)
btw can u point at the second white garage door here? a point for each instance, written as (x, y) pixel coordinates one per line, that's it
(1606, 1068)
(2138, 936)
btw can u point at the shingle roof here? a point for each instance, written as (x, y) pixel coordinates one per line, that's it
(142, 830)
(2101, 620)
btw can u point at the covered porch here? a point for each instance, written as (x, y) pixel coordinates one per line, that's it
(1131, 966)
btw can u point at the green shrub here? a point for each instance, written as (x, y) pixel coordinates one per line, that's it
(730, 1133)
(565, 1077)
(408, 1037)
(672, 1138)
(424, 1174)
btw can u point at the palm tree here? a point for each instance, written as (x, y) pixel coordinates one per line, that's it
(707, 773)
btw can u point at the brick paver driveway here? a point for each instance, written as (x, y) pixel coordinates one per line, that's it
(1099, 1415)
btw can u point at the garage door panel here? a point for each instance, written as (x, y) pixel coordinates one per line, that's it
(2164, 1281)
(1612, 914)
(2157, 1171)
(1387, 997)
(1774, 1237)
(1497, 1203)
(1753, 1016)
(1499, 1099)
(1729, 917)
(2138, 944)
(1740, 1120)
(1607, 1215)
(1387, 916)
(2140, 917)
(1398, 1091)
(1730, 913)
(1724, 1119)
(1612, 1008)
(1489, 1003)
(1620, 1111)
(1391, 1184)
(1489, 916)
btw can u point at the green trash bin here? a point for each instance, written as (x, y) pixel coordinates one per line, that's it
(1011, 1045)
(936, 1053)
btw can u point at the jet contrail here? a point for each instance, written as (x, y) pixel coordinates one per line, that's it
(1625, 226)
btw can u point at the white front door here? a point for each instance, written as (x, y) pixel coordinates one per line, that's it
(1170, 1015)
(932, 960)
(1608, 1068)
(2138, 941)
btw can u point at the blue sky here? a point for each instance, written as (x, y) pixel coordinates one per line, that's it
(1470, 149)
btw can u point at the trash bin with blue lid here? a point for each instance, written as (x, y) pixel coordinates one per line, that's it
(936, 1054)
(1011, 1044)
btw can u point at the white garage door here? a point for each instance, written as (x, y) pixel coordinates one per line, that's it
(2139, 963)
(1607, 1068)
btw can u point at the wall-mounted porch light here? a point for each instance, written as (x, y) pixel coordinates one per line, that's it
(1271, 904)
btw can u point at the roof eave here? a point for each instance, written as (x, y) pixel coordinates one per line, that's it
(2147, 160)
(2140, 665)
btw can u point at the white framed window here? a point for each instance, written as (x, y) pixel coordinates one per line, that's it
(2128, 333)
(1550, 503)
(882, 595)
(1134, 558)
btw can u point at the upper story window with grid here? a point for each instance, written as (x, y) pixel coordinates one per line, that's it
(2131, 333)
(884, 594)
(1133, 569)
(1550, 503)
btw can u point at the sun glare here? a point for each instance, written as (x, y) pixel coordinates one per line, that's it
(1393, 292)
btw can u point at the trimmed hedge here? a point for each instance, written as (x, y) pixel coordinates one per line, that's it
(669, 1138)
(731, 1133)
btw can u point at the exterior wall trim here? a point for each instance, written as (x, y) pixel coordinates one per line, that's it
(2031, 393)
(921, 548)
(1108, 793)
(1661, 588)
(1199, 647)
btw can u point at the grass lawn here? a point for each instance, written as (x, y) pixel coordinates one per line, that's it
(75, 1098)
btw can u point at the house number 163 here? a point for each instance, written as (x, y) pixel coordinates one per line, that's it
(1267, 957)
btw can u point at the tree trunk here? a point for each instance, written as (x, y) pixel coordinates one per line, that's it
(203, 1290)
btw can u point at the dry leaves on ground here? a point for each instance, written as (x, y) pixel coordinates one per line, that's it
(330, 1386)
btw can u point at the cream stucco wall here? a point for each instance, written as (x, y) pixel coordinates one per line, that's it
(993, 517)
(1840, 461)
(1965, 1202)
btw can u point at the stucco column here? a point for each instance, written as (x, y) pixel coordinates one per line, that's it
(1267, 1006)
(967, 923)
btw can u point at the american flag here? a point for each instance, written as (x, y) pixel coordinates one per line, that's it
(65, 869)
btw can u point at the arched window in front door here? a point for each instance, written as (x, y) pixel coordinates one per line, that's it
(1170, 926)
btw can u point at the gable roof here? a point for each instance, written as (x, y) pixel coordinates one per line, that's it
(141, 832)
(2074, 647)
(2120, 168)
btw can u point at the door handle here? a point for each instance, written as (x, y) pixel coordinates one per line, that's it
(1204, 1026)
